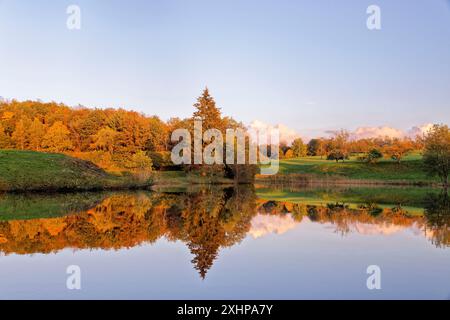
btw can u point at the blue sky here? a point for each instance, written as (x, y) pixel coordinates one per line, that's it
(311, 65)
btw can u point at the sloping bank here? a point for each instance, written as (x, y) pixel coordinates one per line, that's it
(23, 171)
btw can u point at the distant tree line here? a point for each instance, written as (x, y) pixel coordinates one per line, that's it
(341, 147)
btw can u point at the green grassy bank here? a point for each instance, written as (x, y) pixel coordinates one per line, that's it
(409, 171)
(37, 171)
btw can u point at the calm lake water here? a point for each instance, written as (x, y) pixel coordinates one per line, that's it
(227, 243)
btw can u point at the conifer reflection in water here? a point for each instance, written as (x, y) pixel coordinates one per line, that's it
(206, 219)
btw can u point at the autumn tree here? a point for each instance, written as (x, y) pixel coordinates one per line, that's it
(299, 149)
(140, 162)
(84, 124)
(319, 147)
(338, 146)
(36, 134)
(4, 138)
(398, 148)
(419, 143)
(104, 140)
(208, 112)
(362, 145)
(436, 157)
(133, 131)
(20, 135)
(210, 115)
(289, 154)
(57, 138)
(158, 135)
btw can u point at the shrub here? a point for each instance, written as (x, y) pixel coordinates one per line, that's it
(160, 160)
(374, 155)
(337, 155)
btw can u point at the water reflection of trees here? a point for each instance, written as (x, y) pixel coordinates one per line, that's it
(434, 223)
(207, 220)
(345, 218)
(437, 213)
(383, 219)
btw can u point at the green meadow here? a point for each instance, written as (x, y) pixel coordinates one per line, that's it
(410, 170)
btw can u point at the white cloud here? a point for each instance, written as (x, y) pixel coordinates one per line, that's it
(287, 135)
(385, 131)
(377, 229)
(419, 130)
(263, 225)
(375, 132)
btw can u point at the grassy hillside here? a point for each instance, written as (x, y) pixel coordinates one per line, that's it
(36, 171)
(410, 170)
